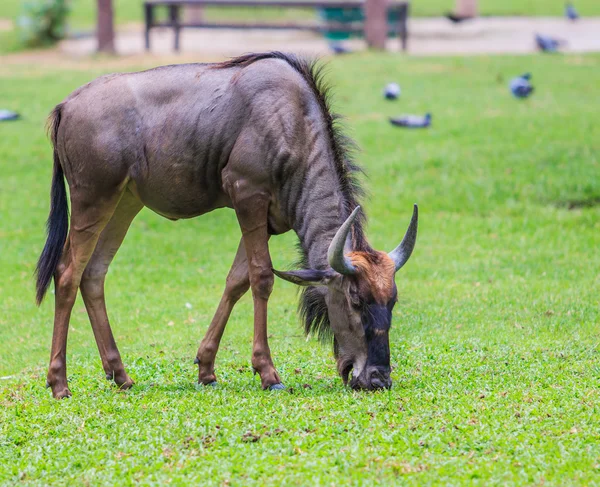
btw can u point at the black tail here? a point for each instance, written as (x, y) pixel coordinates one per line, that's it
(58, 220)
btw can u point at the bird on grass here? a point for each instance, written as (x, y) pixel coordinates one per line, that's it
(412, 121)
(338, 48)
(570, 11)
(547, 44)
(521, 86)
(392, 91)
(6, 115)
(457, 19)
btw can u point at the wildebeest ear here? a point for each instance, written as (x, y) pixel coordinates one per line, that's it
(307, 277)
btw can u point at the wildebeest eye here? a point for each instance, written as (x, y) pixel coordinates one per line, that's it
(355, 300)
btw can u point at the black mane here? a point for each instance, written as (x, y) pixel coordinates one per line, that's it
(312, 307)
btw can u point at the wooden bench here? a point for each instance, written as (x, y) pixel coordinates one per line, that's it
(398, 9)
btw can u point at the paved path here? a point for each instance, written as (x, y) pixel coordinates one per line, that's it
(434, 36)
(431, 36)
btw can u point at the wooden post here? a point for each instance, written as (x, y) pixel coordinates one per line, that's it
(466, 8)
(105, 27)
(175, 21)
(376, 23)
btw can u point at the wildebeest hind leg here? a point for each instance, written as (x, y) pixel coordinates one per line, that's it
(92, 287)
(89, 216)
(236, 286)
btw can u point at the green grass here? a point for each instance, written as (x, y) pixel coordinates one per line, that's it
(9, 42)
(84, 11)
(494, 342)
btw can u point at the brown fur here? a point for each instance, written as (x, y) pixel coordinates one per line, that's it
(184, 146)
(342, 146)
(378, 270)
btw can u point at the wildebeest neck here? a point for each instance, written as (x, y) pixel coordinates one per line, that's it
(327, 196)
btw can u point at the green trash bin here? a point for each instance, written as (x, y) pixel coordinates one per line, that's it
(349, 16)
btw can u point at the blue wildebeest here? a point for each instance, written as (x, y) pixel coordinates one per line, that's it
(254, 134)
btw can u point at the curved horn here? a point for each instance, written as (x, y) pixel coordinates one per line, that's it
(401, 254)
(335, 254)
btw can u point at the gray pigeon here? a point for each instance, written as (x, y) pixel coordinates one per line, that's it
(547, 43)
(6, 115)
(338, 48)
(521, 86)
(570, 12)
(457, 19)
(392, 91)
(412, 121)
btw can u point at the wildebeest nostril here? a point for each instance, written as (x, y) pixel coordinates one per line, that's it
(371, 379)
(380, 384)
(379, 380)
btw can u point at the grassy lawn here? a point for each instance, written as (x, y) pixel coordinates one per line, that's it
(494, 341)
(9, 42)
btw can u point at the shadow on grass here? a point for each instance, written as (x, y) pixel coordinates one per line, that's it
(168, 378)
(318, 388)
(576, 204)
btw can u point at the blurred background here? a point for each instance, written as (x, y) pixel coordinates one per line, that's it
(228, 27)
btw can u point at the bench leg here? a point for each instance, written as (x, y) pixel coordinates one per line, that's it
(177, 38)
(149, 17)
(174, 18)
(404, 27)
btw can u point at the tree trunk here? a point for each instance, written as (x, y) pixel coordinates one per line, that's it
(376, 23)
(105, 27)
(466, 8)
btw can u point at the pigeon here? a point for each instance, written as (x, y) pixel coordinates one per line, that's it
(339, 48)
(570, 12)
(457, 19)
(547, 43)
(520, 86)
(412, 121)
(392, 91)
(6, 115)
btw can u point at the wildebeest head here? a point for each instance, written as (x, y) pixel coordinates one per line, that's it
(360, 294)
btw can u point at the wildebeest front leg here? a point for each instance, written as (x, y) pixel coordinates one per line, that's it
(252, 212)
(237, 284)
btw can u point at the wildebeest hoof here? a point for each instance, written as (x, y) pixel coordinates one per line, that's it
(64, 394)
(276, 387)
(109, 376)
(196, 361)
(124, 383)
(47, 384)
(214, 383)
